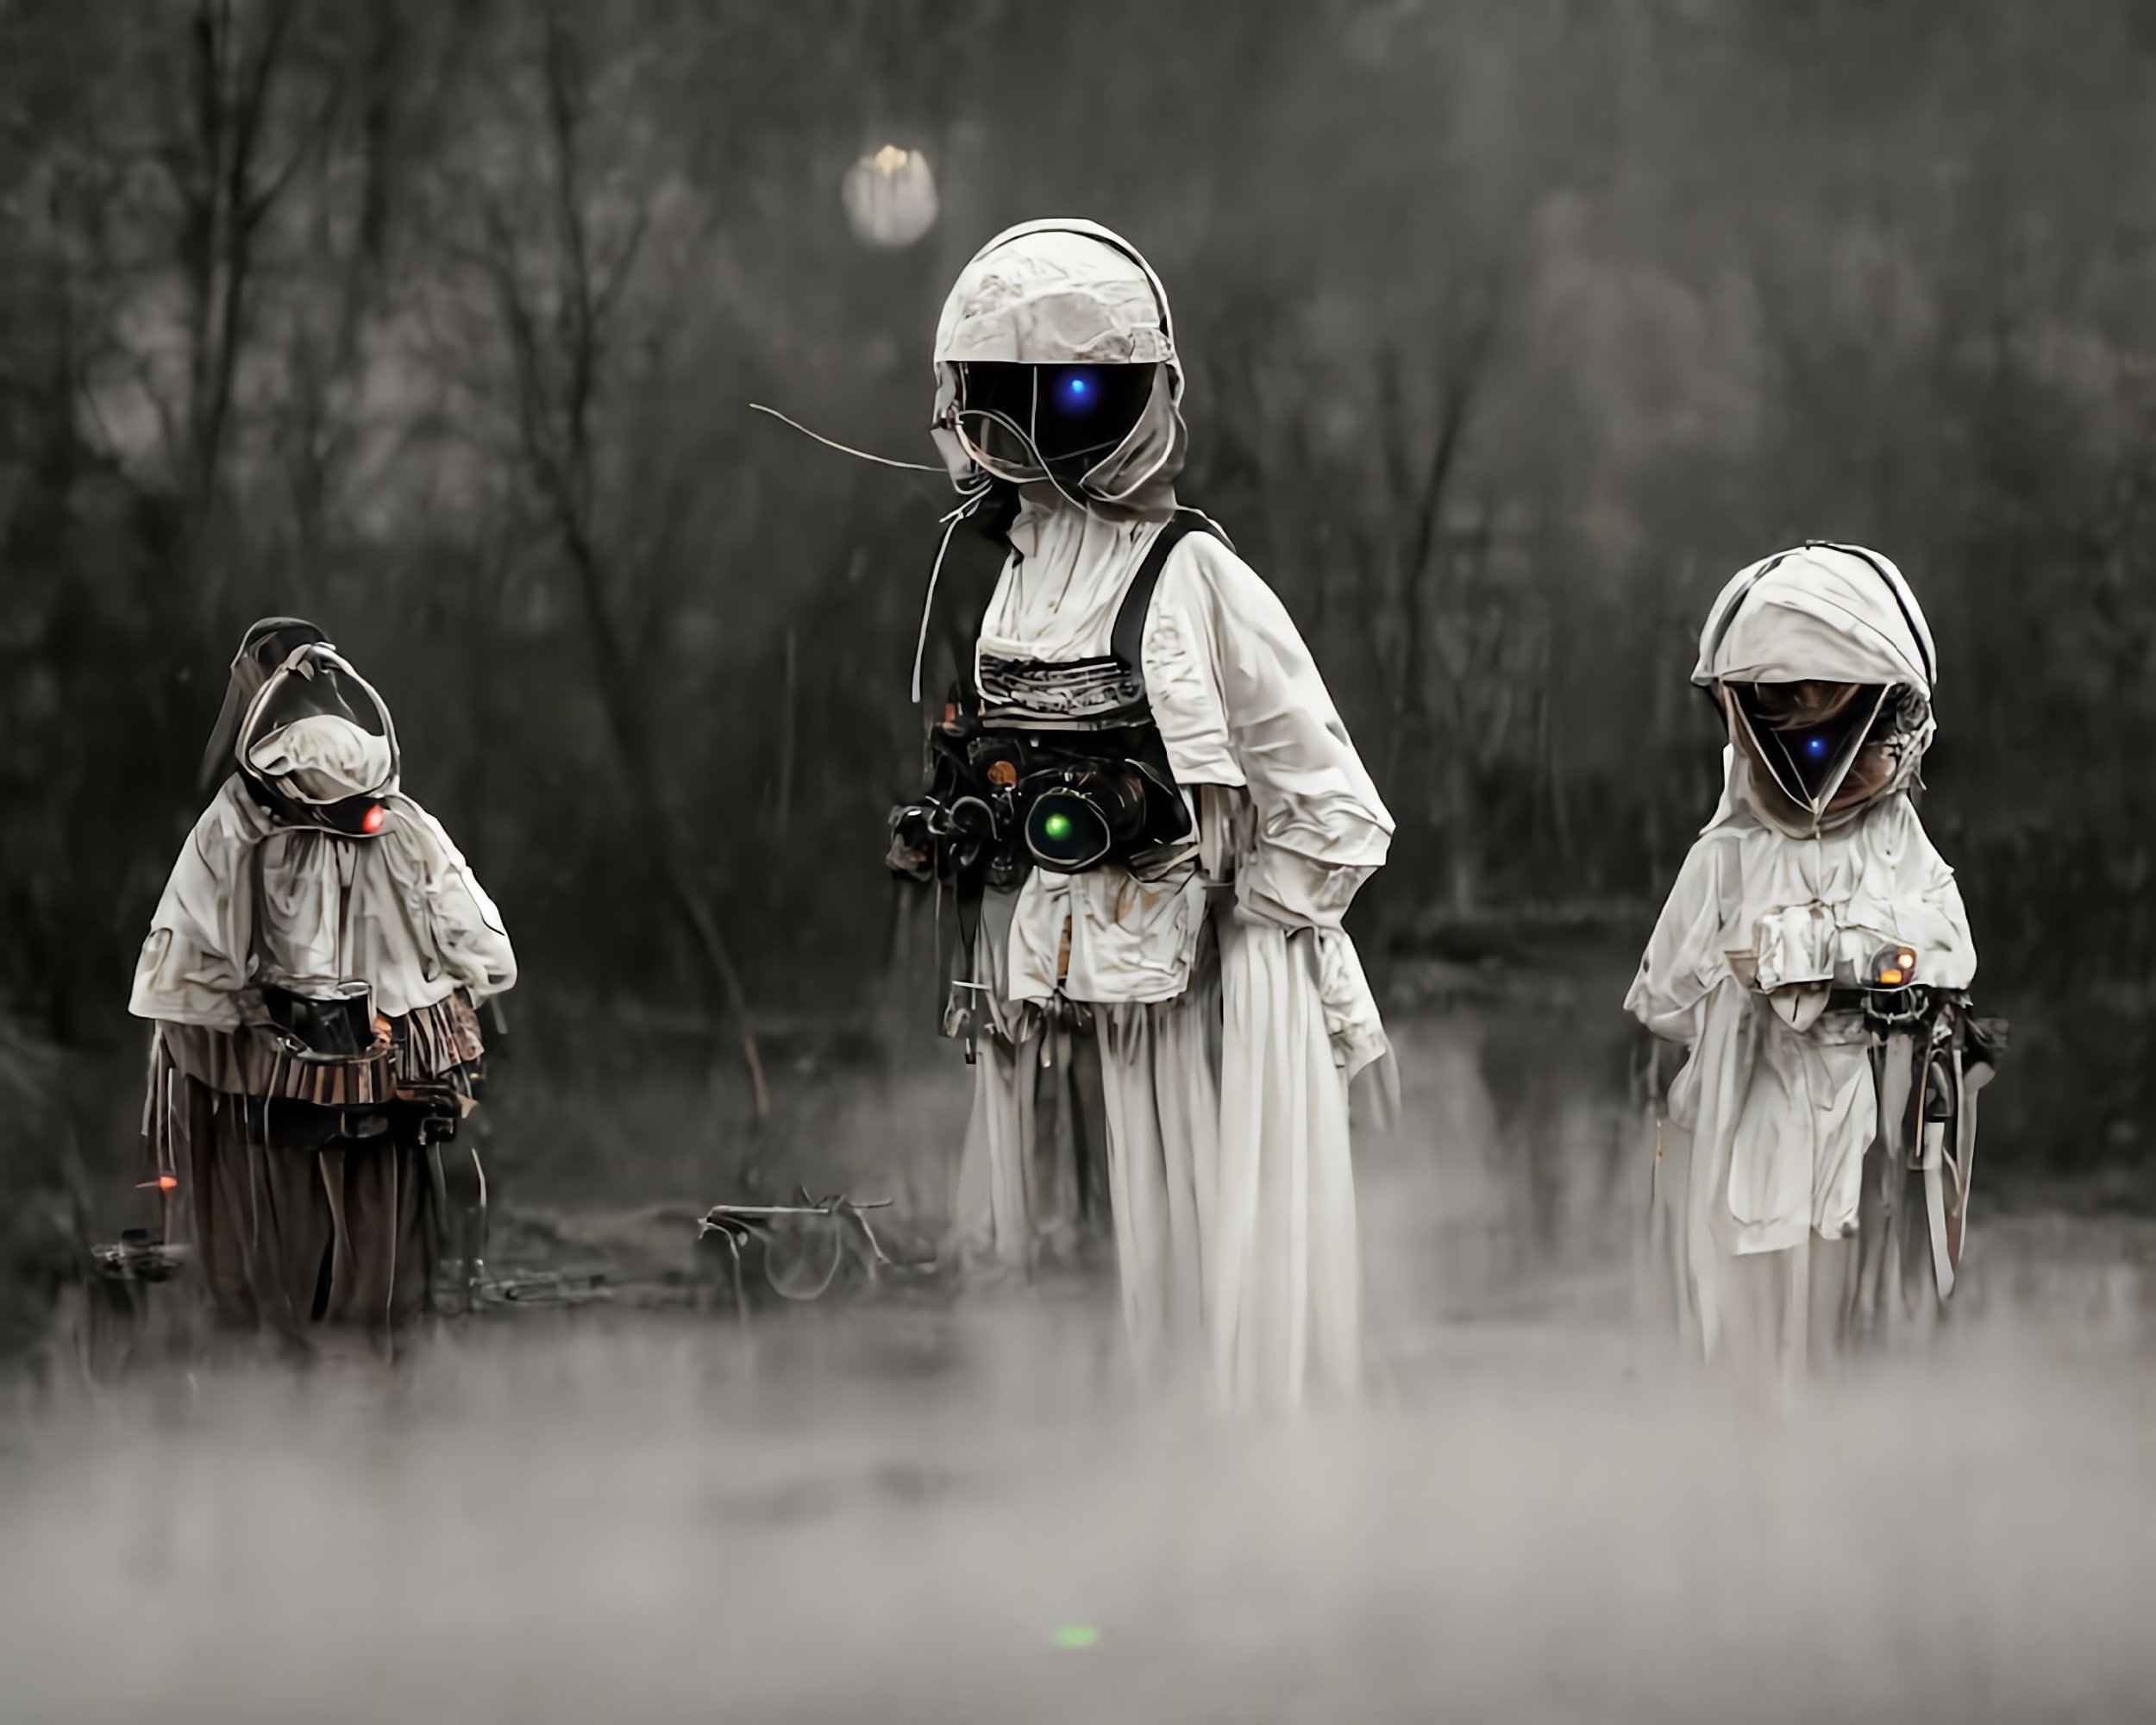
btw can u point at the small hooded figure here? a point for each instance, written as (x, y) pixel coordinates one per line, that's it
(1813, 959)
(1153, 819)
(312, 972)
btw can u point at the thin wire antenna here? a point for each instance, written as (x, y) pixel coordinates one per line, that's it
(842, 449)
(928, 599)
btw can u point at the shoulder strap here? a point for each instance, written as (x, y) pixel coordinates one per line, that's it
(975, 558)
(1127, 639)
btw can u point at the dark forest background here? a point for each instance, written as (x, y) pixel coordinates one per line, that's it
(1513, 328)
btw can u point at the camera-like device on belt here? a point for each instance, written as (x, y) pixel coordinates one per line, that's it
(1892, 995)
(1002, 800)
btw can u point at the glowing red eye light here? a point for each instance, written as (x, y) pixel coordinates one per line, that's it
(373, 819)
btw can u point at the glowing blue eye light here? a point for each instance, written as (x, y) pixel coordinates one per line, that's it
(1073, 390)
(1815, 746)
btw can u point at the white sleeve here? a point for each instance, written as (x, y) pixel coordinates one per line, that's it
(1240, 702)
(449, 909)
(194, 963)
(1926, 914)
(1686, 956)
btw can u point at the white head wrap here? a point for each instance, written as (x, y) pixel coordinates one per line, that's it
(1822, 613)
(1066, 292)
(302, 745)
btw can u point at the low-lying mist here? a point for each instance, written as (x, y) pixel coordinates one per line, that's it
(911, 1513)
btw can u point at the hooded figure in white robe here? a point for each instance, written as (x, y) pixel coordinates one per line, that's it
(1814, 880)
(313, 972)
(1230, 1008)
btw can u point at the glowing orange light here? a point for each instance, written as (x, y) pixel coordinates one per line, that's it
(168, 1183)
(1892, 979)
(890, 198)
(373, 819)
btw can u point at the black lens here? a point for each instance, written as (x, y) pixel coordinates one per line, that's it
(995, 409)
(1086, 411)
(1065, 832)
(1803, 748)
(970, 817)
(1060, 416)
(1003, 391)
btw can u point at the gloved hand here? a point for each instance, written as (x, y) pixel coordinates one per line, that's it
(911, 852)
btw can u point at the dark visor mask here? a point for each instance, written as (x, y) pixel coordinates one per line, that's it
(1809, 736)
(1026, 423)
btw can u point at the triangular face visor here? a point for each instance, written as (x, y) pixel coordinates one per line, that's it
(1808, 735)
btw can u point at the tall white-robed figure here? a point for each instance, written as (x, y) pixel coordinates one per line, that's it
(1231, 1009)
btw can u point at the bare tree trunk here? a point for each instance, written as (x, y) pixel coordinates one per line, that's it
(555, 425)
(227, 209)
(788, 724)
(620, 693)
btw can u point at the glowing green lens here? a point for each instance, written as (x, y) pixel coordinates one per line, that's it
(1057, 826)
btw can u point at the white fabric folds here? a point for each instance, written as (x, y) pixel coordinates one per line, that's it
(1233, 1011)
(401, 910)
(1770, 1117)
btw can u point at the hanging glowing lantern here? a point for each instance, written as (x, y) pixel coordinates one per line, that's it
(890, 198)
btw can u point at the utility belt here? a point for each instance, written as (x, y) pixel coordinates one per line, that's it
(1929, 1023)
(361, 1080)
(1004, 800)
(1885, 1008)
(420, 1114)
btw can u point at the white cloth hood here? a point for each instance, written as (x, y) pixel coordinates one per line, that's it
(1821, 613)
(1067, 292)
(318, 733)
(1057, 292)
(250, 901)
(324, 759)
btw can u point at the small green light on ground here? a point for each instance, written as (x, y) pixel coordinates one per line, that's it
(1076, 1636)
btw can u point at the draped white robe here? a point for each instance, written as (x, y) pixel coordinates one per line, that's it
(1232, 1010)
(1766, 1126)
(401, 910)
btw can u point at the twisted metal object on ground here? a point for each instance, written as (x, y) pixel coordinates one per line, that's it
(737, 1224)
